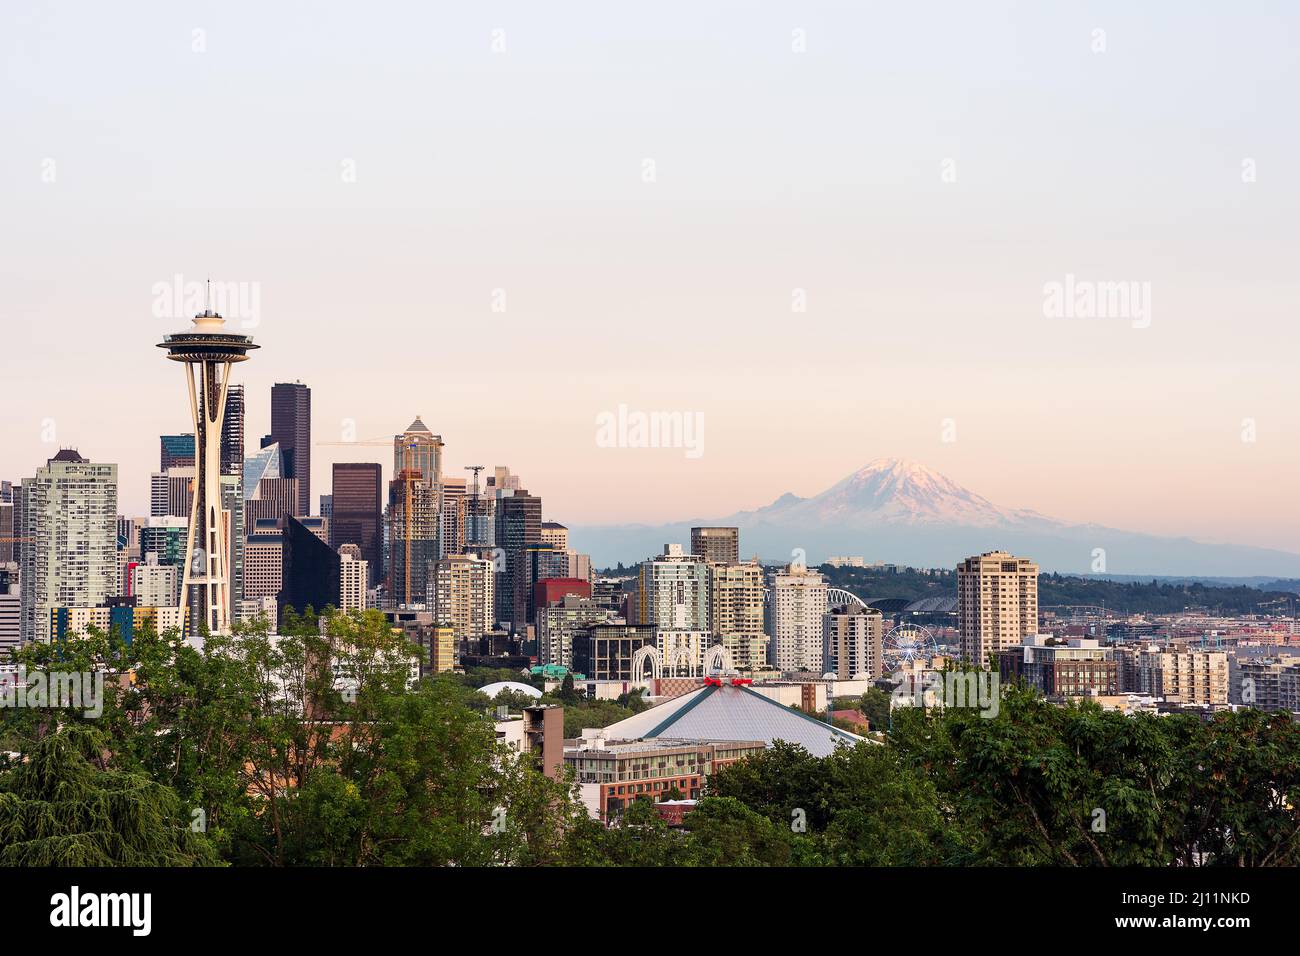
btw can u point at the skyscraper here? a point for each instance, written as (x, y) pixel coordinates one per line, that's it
(716, 545)
(853, 642)
(673, 591)
(412, 537)
(8, 543)
(175, 451)
(70, 557)
(232, 432)
(461, 595)
(419, 449)
(312, 571)
(171, 492)
(736, 612)
(357, 512)
(997, 604)
(451, 517)
(353, 579)
(518, 525)
(799, 602)
(480, 506)
(207, 351)
(291, 428)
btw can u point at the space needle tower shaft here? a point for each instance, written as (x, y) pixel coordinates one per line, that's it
(208, 352)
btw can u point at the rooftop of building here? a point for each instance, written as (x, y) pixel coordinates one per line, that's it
(734, 713)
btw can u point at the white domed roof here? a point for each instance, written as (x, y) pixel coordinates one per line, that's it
(491, 690)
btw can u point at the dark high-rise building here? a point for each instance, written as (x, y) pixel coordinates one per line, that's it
(291, 427)
(232, 432)
(541, 562)
(356, 512)
(716, 545)
(176, 451)
(310, 571)
(518, 525)
(277, 498)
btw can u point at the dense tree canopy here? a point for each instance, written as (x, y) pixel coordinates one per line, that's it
(315, 747)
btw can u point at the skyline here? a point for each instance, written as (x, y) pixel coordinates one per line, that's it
(925, 297)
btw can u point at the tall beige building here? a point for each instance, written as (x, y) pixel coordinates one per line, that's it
(853, 639)
(736, 612)
(997, 604)
(556, 535)
(799, 601)
(461, 593)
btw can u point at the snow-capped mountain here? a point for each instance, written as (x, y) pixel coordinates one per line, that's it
(892, 490)
(905, 513)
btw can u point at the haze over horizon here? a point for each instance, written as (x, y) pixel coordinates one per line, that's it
(477, 168)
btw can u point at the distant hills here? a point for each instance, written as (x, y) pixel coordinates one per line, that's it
(902, 512)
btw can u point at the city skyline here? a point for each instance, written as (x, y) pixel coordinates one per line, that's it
(398, 224)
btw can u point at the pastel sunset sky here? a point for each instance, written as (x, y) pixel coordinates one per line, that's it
(510, 218)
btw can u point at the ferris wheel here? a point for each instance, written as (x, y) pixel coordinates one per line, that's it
(906, 644)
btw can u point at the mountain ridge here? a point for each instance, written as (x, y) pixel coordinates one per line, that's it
(903, 512)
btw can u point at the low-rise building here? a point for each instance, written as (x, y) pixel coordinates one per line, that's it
(1073, 667)
(612, 773)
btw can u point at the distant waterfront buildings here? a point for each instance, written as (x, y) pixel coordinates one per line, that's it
(1175, 672)
(1063, 667)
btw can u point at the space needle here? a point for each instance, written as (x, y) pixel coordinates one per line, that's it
(208, 352)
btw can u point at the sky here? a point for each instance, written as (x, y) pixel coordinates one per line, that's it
(825, 230)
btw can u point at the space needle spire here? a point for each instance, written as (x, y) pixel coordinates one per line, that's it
(208, 352)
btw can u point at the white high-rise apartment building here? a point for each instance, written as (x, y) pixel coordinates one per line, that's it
(673, 591)
(799, 602)
(156, 585)
(70, 517)
(997, 604)
(354, 572)
(461, 595)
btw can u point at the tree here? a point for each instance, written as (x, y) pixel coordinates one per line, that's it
(725, 832)
(67, 806)
(875, 704)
